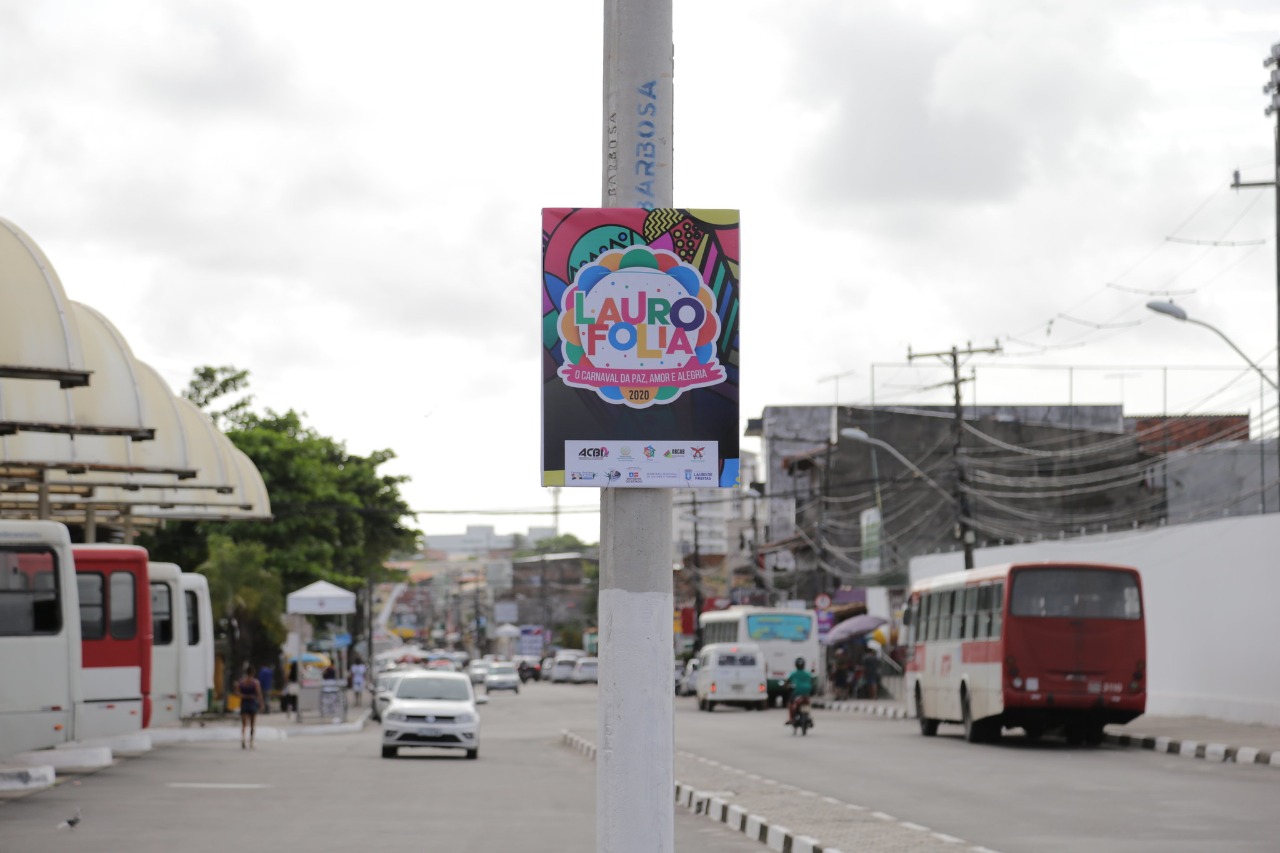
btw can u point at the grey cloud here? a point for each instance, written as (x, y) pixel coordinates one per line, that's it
(915, 112)
(217, 63)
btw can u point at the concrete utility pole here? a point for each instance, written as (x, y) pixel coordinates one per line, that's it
(1273, 89)
(635, 736)
(964, 529)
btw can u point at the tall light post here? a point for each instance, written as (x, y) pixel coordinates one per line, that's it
(966, 532)
(1177, 312)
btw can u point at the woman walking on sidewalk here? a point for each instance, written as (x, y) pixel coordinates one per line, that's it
(250, 692)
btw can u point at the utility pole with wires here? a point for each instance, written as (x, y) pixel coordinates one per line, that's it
(964, 527)
(1273, 89)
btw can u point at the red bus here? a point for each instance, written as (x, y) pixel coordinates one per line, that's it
(1037, 646)
(115, 637)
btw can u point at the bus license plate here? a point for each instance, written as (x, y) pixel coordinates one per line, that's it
(738, 687)
(425, 732)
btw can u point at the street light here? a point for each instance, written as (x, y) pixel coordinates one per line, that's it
(966, 534)
(1178, 313)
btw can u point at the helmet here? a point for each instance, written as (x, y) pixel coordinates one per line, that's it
(799, 663)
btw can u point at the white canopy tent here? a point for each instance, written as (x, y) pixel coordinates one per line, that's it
(321, 598)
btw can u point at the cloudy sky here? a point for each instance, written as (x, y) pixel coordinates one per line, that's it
(347, 203)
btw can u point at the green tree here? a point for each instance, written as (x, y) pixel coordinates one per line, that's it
(246, 600)
(334, 517)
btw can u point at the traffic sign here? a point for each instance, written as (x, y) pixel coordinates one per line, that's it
(822, 601)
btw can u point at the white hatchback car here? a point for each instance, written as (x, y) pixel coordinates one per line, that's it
(432, 708)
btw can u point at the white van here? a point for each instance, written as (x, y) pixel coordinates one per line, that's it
(732, 674)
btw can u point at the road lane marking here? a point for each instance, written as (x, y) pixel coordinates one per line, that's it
(228, 786)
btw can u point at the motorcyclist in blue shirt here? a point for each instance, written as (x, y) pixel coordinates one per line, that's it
(801, 684)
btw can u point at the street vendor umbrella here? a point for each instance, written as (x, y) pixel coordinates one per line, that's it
(321, 597)
(507, 632)
(312, 659)
(854, 626)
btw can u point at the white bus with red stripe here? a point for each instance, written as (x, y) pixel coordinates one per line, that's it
(40, 693)
(1037, 646)
(115, 633)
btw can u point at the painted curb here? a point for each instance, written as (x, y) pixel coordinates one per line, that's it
(1197, 749)
(1166, 746)
(20, 781)
(754, 826)
(76, 759)
(125, 746)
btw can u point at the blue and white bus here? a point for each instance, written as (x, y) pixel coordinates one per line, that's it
(782, 634)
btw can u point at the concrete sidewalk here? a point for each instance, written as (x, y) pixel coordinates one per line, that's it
(1192, 737)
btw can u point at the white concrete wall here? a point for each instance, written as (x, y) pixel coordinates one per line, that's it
(1212, 592)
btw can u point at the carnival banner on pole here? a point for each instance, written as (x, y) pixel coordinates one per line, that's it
(640, 348)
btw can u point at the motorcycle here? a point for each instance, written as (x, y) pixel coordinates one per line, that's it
(801, 721)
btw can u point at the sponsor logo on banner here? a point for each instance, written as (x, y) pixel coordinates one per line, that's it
(583, 475)
(697, 452)
(633, 476)
(674, 453)
(614, 475)
(593, 453)
(650, 451)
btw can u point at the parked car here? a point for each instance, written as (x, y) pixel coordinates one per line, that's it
(545, 669)
(502, 675)
(562, 670)
(689, 679)
(382, 690)
(586, 671)
(433, 709)
(477, 670)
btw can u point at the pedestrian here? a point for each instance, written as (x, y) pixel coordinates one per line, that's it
(842, 682)
(871, 673)
(289, 701)
(265, 678)
(250, 692)
(358, 670)
(330, 673)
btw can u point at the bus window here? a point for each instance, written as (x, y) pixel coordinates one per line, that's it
(931, 617)
(161, 614)
(92, 618)
(29, 594)
(957, 616)
(950, 618)
(779, 626)
(1076, 594)
(193, 618)
(983, 631)
(970, 628)
(997, 609)
(123, 607)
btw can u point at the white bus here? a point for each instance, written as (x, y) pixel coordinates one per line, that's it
(182, 648)
(168, 614)
(196, 646)
(41, 699)
(783, 635)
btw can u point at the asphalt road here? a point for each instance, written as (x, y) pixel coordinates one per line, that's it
(1015, 797)
(526, 793)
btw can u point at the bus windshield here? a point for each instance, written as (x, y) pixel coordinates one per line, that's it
(779, 626)
(1075, 594)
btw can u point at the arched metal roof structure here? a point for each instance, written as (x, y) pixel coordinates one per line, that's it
(38, 335)
(121, 448)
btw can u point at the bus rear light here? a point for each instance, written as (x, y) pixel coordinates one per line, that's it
(764, 688)
(1011, 668)
(1017, 682)
(712, 688)
(57, 727)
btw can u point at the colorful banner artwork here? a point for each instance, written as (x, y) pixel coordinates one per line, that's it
(640, 347)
